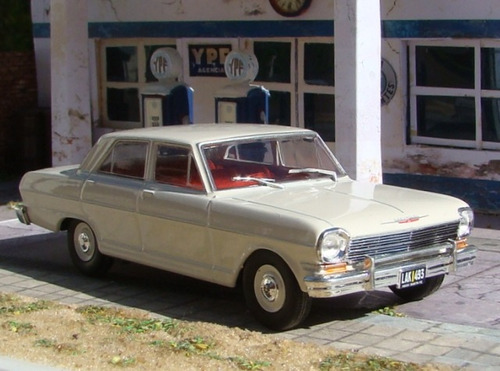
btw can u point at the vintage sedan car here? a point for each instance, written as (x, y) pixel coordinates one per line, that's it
(267, 206)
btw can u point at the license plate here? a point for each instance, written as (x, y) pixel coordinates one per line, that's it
(411, 277)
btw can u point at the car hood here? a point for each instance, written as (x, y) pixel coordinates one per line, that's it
(360, 208)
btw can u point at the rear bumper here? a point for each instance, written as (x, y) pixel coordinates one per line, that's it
(22, 214)
(384, 272)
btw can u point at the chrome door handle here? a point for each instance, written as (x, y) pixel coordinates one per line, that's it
(148, 192)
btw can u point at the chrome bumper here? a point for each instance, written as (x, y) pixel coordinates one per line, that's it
(22, 214)
(384, 272)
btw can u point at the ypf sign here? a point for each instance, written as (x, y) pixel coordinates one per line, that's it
(208, 60)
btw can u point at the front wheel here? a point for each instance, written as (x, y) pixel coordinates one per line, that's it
(272, 293)
(84, 250)
(431, 285)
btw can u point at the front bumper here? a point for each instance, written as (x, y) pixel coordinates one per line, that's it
(22, 214)
(385, 271)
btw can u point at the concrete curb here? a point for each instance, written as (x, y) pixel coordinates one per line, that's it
(11, 364)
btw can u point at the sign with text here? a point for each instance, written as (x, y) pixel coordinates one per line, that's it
(208, 60)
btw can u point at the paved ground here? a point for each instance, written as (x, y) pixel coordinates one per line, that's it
(459, 325)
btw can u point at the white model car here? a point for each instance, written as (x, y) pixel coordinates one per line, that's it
(269, 205)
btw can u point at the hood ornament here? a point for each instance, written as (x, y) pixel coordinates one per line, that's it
(407, 219)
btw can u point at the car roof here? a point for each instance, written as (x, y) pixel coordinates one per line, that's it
(198, 133)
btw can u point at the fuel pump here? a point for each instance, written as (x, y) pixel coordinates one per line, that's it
(168, 102)
(241, 101)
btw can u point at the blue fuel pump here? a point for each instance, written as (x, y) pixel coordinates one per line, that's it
(242, 102)
(168, 102)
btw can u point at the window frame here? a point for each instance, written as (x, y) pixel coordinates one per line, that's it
(306, 88)
(298, 87)
(476, 93)
(284, 87)
(141, 83)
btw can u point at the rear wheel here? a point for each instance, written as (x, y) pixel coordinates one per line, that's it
(431, 285)
(272, 292)
(84, 250)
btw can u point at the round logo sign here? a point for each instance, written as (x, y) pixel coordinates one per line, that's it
(389, 82)
(165, 63)
(241, 66)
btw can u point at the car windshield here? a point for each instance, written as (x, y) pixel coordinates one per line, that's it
(269, 161)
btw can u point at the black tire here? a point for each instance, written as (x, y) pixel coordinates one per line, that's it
(431, 285)
(84, 250)
(272, 293)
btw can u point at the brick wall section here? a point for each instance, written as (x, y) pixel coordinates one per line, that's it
(18, 109)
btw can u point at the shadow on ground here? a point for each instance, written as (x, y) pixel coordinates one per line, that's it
(47, 272)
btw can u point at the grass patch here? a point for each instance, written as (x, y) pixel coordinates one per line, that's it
(245, 364)
(201, 347)
(18, 327)
(123, 361)
(67, 348)
(389, 311)
(119, 319)
(347, 361)
(195, 345)
(11, 307)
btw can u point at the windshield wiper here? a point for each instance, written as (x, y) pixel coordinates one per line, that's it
(264, 181)
(312, 170)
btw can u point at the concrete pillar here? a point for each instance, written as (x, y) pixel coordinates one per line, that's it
(357, 88)
(70, 86)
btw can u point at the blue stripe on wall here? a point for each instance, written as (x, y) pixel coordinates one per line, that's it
(481, 195)
(390, 29)
(212, 29)
(218, 29)
(441, 28)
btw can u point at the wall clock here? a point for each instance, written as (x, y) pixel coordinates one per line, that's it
(290, 8)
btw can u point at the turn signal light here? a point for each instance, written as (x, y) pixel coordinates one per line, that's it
(336, 268)
(461, 244)
(367, 263)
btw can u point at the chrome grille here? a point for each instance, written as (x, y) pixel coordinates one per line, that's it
(376, 246)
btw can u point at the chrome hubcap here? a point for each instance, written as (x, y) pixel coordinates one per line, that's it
(269, 287)
(84, 242)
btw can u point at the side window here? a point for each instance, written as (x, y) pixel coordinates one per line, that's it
(126, 158)
(176, 166)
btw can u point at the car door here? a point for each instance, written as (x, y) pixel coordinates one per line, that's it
(173, 214)
(109, 198)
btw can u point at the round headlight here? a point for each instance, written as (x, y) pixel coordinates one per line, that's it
(466, 221)
(333, 245)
